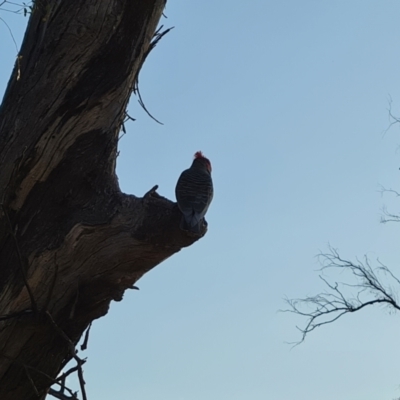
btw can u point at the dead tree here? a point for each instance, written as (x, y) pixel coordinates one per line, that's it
(70, 240)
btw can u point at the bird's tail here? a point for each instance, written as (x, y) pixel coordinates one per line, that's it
(190, 224)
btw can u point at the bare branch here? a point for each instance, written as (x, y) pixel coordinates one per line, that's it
(59, 394)
(389, 216)
(16, 8)
(383, 190)
(73, 353)
(141, 102)
(158, 35)
(339, 298)
(63, 388)
(11, 34)
(64, 376)
(392, 118)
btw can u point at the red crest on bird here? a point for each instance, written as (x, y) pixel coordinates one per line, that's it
(199, 155)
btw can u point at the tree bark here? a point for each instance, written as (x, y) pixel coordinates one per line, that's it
(70, 240)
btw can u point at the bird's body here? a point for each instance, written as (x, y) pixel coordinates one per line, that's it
(194, 192)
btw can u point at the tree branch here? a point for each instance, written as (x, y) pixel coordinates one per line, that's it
(339, 299)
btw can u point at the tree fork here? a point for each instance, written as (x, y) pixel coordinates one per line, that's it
(70, 240)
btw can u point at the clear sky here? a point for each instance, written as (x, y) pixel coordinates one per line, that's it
(289, 101)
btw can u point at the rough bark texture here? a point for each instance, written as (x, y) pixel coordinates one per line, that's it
(67, 232)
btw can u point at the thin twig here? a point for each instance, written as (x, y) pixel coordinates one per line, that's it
(158, 35)
(63, 376)
(12, 36)
(141, 102)
(61, 395)
(73, 352)
(395, 120)
(52, 380)
(128, 117)
(82, 383)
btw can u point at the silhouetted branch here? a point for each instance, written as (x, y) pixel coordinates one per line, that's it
(388, 216)
(341, 298)
(73, 353)
(392, 118)
(67, 373)
(384, 190)
(60, 394)
(16, 8)
(141, 102)
(127, 117)
(60, 381)
(158, 35)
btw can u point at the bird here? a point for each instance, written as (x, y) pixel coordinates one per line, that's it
(194, 192)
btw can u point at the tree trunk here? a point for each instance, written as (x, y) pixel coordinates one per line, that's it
(70, 241)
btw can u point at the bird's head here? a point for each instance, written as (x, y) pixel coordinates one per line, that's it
(200, 160)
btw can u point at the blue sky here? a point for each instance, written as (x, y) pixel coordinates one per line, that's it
(289, 101)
